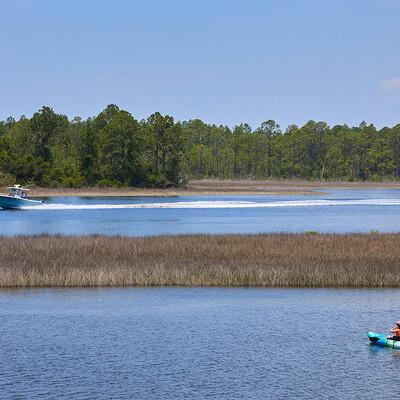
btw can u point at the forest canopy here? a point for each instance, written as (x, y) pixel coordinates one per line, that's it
(115, 149)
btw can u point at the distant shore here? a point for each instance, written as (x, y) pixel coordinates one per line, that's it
(264, 260)
(291, 184)
(133, 192)
(210, 187)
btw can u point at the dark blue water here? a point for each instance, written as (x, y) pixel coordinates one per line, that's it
(339, 211)
(172, 343)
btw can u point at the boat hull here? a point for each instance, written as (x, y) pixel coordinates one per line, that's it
(9, 202)
(380, 340)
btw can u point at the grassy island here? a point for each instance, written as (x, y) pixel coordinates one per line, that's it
(264, 260)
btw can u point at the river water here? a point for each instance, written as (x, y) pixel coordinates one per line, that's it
(205, 343)
(180, 343)
(339, 211)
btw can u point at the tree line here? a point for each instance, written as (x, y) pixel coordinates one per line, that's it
(115, 149)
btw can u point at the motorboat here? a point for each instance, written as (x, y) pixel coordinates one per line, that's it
(17, 198)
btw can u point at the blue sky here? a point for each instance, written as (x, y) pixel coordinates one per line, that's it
(225, 62)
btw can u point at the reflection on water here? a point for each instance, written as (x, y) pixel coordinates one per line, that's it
(339, 211)
(195, 343)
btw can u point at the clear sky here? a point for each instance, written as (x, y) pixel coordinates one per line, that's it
(223, 61)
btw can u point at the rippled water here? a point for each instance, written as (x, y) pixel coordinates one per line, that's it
(179, 343)
(339, 211)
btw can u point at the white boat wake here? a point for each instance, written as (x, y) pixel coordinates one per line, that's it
(219, 204)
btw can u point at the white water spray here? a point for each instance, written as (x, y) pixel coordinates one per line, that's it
(219, 204)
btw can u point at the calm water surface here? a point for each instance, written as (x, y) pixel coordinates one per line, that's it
(199, 343)
(339, 211)
(180, 343)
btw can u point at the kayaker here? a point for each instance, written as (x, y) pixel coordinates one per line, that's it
(396, 331)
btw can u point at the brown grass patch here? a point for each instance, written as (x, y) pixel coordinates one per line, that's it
(209, 187)
(268, 260)
(286, 184)
(190, 190)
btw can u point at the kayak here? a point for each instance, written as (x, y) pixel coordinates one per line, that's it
(380, 340)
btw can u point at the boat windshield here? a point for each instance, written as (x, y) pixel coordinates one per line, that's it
(18, 191)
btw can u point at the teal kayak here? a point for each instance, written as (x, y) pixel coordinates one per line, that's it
(380, 340)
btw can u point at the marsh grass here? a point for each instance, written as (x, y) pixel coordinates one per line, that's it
(270, 260)
(286, 184)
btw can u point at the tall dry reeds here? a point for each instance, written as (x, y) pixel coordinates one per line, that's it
(269, 260)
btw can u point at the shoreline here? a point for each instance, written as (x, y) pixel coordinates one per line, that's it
(209, 187)
(94, 192)
(306, 260)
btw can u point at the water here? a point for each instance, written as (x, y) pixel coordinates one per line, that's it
(179, 343)
(339, 211)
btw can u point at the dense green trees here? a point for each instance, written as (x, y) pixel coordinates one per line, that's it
(114, 149)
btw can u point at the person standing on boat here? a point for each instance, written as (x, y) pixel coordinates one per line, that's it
(396, 331)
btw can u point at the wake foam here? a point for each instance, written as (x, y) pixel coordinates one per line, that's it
(219, 204)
